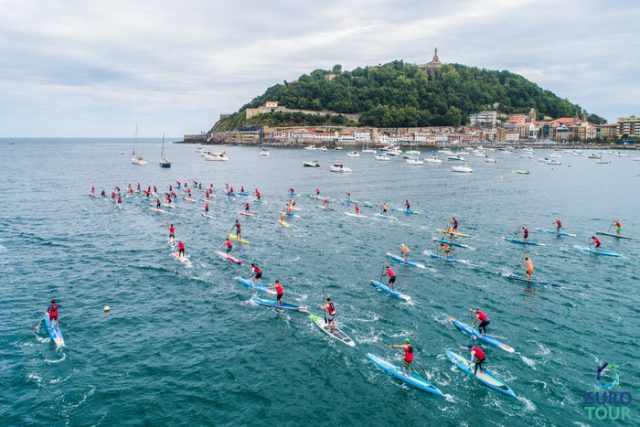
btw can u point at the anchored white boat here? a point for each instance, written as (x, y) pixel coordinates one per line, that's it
(455, 158)
(310, 147)
(353, 154)
(415, 161)
(521, 171)
(311, 164)
(264, 152)
(462, 169)
(490, 160)
(382, 158)
(216, 157)
(339, 167)
(434, 160)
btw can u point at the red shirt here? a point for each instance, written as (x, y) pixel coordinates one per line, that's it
(478, 353)
(180, 245)
(228, 243)
(481, 316)
(257, 270)
(279, 289)
(408, 353)
(390, 273)
(53, 309)
(172, 230)
(597, 241)
(331, 308)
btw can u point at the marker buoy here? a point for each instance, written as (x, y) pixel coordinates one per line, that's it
(106, 308)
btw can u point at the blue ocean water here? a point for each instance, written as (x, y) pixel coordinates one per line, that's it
(188, 346)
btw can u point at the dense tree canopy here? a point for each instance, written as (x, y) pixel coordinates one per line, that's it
(402, 95)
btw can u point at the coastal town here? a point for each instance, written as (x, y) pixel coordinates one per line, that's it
(484, 127)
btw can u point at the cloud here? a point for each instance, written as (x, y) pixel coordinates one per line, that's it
(84, 68)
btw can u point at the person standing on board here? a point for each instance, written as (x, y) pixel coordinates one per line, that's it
(317, 191)
(279, 291)
(618, 227)
(385, 208)
(446, 249)
(257, 274)
(596, 242)
(172, 235)
(407, 206)
(246, 207)
(348, 195)
(357, 208)
(53, 313)
(283, 216)
(529, 264)
(453, 224)
(558, 225)
(325, 203)
(331, 314)
(482, 319)
(206, 207)
(180, 249)
(238, 231)
(408, 356)
(392, 277)
(405, 252)
(158, 204)
(525, 233)
(477, 357)
(258, 195)
(228, 245)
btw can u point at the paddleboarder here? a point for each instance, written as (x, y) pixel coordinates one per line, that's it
(529, 264)
(392, 277)
(446, 249)
(408, 355)
(405, 252)
(228, 245)
(482, 319)
(385, 208)
(596, 242)
(407, 206)
(257, 274)
(246, 207)
(357, 209)
(618, 226)
(238, 231)
(330, 318)
(558, 224)
(172, 234)
(525, 233)
(477, 357)
(180, 249)
(53, 313)
(453, 224)
(279, 291)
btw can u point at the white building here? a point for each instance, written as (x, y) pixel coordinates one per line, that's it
(484, 118)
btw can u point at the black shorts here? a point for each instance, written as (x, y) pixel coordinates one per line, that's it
(279, 297)
(598, 245)
(259, 275)
(172, 236)
(331, 317)
(392, 279)
(483, 324)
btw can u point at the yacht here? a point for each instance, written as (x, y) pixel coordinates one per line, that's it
(522, 171)
(462, 169)
(310, 147)
(433, 160)
(164, 163)
(216, 157)
(339, 167)
(311, 164)
(490, 160)
(455, 158)
(410, 154)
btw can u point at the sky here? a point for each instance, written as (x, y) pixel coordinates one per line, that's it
(86, 68)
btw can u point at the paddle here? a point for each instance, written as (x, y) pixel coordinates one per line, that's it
(381, 274)
(35, 325)
(324, 311)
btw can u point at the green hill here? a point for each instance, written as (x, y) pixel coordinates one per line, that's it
(402, 95)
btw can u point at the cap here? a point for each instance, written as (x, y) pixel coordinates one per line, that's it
(407, 341)
(469, 346)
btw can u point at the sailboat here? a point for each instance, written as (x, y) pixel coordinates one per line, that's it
(137, 159)
(164, 163)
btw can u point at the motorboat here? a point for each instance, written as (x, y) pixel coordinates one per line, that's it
(411, 154)
(414, 161)
(264, 152)
(455, 158)
(382, 157)
(462, 169)
(311, 164)
(433, 160)
(490, 160)
(522, 171)
(216, 157)
(138, 160)
(353, 154)
(310, 147)
(339, 167)
(369, 150)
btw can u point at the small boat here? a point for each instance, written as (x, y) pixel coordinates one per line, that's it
(434, 160)
(382, 157)
(414, 161)
(339, 167)
(490, 160)
(138, 160)
(353, 154)
(594, 156)
(462, 169)
(310, 147)
(164, 163)
(410, 154)
(455, 158)
(264, 152)
(368, 150)
(522, 171)
(311, 164)
(216, 157)
(414, 380)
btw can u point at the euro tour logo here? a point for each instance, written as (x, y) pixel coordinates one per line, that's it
(606, 404)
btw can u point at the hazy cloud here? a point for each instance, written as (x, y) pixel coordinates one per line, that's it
(89, 68)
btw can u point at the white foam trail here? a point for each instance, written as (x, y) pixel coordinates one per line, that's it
(64, 356)
(528, 405)
(530, 363)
